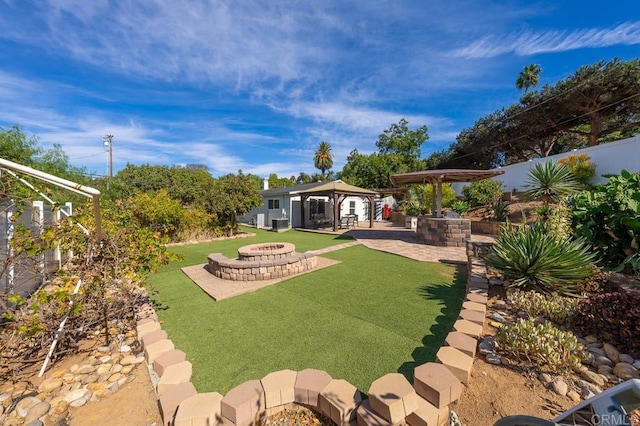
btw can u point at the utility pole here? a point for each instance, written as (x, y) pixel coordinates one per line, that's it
(108, 142)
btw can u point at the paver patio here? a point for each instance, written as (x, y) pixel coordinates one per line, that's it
(383, 237)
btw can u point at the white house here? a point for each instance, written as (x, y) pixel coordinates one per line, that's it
(313, 204)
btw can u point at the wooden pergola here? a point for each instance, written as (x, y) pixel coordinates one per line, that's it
(337, 191)
(438, 177)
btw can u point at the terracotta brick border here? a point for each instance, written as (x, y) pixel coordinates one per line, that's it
(392, 399)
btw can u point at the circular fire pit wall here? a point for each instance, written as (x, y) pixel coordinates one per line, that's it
(261, 262)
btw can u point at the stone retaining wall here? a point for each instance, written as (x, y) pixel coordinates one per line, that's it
(440, 231)
(241, 270)
(392, 399)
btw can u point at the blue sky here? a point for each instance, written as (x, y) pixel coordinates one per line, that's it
(256, 85)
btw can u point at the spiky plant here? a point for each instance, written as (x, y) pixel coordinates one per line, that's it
(550, 181)
(531, 257)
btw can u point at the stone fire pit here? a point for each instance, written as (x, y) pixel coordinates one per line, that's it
(258, 262)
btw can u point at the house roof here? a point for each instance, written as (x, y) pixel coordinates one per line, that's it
(318, 188)
(444, 175)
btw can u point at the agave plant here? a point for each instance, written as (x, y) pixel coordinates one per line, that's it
(533, 258)
(550, 181)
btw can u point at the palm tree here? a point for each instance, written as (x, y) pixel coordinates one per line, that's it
(529, 77)
(323, 158)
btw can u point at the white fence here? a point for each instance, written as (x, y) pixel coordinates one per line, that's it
(609, 158)
(23, 274)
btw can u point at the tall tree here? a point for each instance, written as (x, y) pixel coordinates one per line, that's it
(232, 196)
(403, 143)
(323, 158)
(528, 77)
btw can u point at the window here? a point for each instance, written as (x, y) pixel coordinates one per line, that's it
(273, 204)
(352, 207)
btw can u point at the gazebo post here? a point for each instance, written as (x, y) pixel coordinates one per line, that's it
(439, 199)
(336, 209)
(372, 210)
(434, 197)
(303, 198)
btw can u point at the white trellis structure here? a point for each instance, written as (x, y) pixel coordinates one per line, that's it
(14, 169)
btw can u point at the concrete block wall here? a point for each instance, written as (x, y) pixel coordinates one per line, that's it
(392, 399)
(444, 232)
(239, 270)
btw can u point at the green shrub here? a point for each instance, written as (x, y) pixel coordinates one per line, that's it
(531, 258)
(553, 307)
(460, 207)
(612, 317)
(550, 181)
(500, 210)
(156, 211)
(482, 192)
(580, 166)
(609, 219)
(543, 345)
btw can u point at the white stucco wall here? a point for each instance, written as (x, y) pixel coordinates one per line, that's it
(609, 158)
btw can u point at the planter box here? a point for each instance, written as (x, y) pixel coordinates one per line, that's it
(411, 222)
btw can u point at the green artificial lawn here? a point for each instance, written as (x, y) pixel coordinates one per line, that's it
(370, 315)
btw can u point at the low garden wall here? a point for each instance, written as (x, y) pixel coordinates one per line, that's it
(391, 398)
(442, 231)
(243, 270)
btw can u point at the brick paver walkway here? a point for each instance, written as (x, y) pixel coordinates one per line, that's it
(404, 242)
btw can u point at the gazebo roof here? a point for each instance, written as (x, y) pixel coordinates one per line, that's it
(443, 176)
(319, 188)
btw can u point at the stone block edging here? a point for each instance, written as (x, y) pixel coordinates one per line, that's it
(427, 402)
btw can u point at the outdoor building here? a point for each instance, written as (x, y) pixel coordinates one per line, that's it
(286, 202)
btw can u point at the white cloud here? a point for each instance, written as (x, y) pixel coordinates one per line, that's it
(531, 42)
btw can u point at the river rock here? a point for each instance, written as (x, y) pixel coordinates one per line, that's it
(85, 369)
(127, 369)
(25, 404)
(626, 358)
(37, 411)
(36, 422)
(574, 396)
(583, 384)
(559, 386)
(104, 368)
(545, 378)
(500, 304)
(114, 377)
(496, 316)
(50, 385)
(125, 349)
(90, 378)
(104, 349)
(636, 364)
(625, 371)
(597, 351)
(487, 346)
(605, 369)
(129, 359)
(592, 377)
(75, 394)
(80, 402)
(116, 368)
(601, 360)
(612, 353)
(591, 338)
(104, 359)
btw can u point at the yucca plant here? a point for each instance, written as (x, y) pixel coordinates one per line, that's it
(550, 181)
(531, 257)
